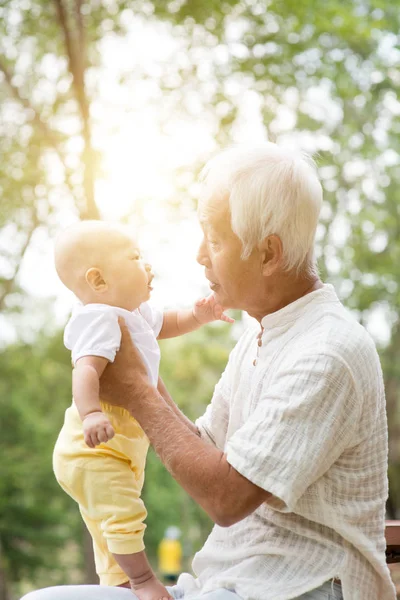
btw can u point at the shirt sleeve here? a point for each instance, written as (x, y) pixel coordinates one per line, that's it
(93, 333)
(153, 316)
(302, 423)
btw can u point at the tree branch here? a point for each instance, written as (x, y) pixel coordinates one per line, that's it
(77, 63)
(9, 283)
(81, 30)
(48, 134)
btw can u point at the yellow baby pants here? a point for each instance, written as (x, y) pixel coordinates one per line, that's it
(106, 482)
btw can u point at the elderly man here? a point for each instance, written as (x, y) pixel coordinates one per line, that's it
(290, 458)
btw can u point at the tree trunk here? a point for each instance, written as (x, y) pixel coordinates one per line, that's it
(4, 589)
(73, 30)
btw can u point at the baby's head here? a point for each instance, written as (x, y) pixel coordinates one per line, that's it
(101, 263)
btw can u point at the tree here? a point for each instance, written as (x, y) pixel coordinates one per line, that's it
(327, 75)
(45, 96)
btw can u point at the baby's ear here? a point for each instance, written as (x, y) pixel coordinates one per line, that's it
(95, 280)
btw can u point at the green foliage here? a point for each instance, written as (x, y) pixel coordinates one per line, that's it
(36, 518)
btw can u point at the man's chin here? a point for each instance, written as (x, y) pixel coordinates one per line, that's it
(218, 294)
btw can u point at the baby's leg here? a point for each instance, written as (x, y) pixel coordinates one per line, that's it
(109, 571)
(108, 493)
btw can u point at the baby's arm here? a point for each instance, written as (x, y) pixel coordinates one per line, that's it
(86, 375)
(179, 322)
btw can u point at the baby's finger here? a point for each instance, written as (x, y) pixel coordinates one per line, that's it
(88, 440)
(102, 435)
(218, 311)
(211, 299)
(95, 439)
(109, 432)
(227, 319)
(201, 302)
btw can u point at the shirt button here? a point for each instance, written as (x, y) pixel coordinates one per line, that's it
(259, 342)
(254, 362)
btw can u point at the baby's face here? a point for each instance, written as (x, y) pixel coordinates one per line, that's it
(127, 276)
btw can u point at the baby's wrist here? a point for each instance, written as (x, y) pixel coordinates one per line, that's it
(93, 412)
(196, 320)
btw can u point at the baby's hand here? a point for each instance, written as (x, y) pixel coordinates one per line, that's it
(208, 309)
(97, 429)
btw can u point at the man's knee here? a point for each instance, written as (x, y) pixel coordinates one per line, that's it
(81, 592)
(56, 593)
(50, 593)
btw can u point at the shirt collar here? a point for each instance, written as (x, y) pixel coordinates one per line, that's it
(294, 310)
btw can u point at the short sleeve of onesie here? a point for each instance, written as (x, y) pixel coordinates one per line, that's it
(92, 332)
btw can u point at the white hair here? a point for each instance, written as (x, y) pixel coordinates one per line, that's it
(271, 191)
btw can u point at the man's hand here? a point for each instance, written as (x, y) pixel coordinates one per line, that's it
(124, 381)
(208, 309)
(97, 429)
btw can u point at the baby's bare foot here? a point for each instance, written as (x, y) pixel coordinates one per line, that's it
(151, 590)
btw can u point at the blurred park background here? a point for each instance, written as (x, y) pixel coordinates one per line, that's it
(108, 109)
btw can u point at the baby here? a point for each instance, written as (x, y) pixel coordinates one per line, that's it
(99, 457)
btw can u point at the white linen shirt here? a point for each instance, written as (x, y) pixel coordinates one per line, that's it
(307, 424)
(93, 330)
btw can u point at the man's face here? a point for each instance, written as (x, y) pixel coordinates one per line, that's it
(235, 282)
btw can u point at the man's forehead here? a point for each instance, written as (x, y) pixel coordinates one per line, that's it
(214, 210)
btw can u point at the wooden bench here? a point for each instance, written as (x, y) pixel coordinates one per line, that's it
(392, 534)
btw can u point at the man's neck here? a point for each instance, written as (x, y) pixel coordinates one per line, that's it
(284, 291)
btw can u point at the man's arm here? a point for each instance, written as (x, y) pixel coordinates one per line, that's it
(201, 469)
(168, 400)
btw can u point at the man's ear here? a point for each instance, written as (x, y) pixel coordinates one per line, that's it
(271, 249)
(95, 280)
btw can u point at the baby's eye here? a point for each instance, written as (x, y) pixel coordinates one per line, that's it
(136, 257)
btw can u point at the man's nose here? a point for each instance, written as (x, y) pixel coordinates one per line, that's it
(202, 254)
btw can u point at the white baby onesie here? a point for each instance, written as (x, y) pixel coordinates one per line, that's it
(93, 330)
